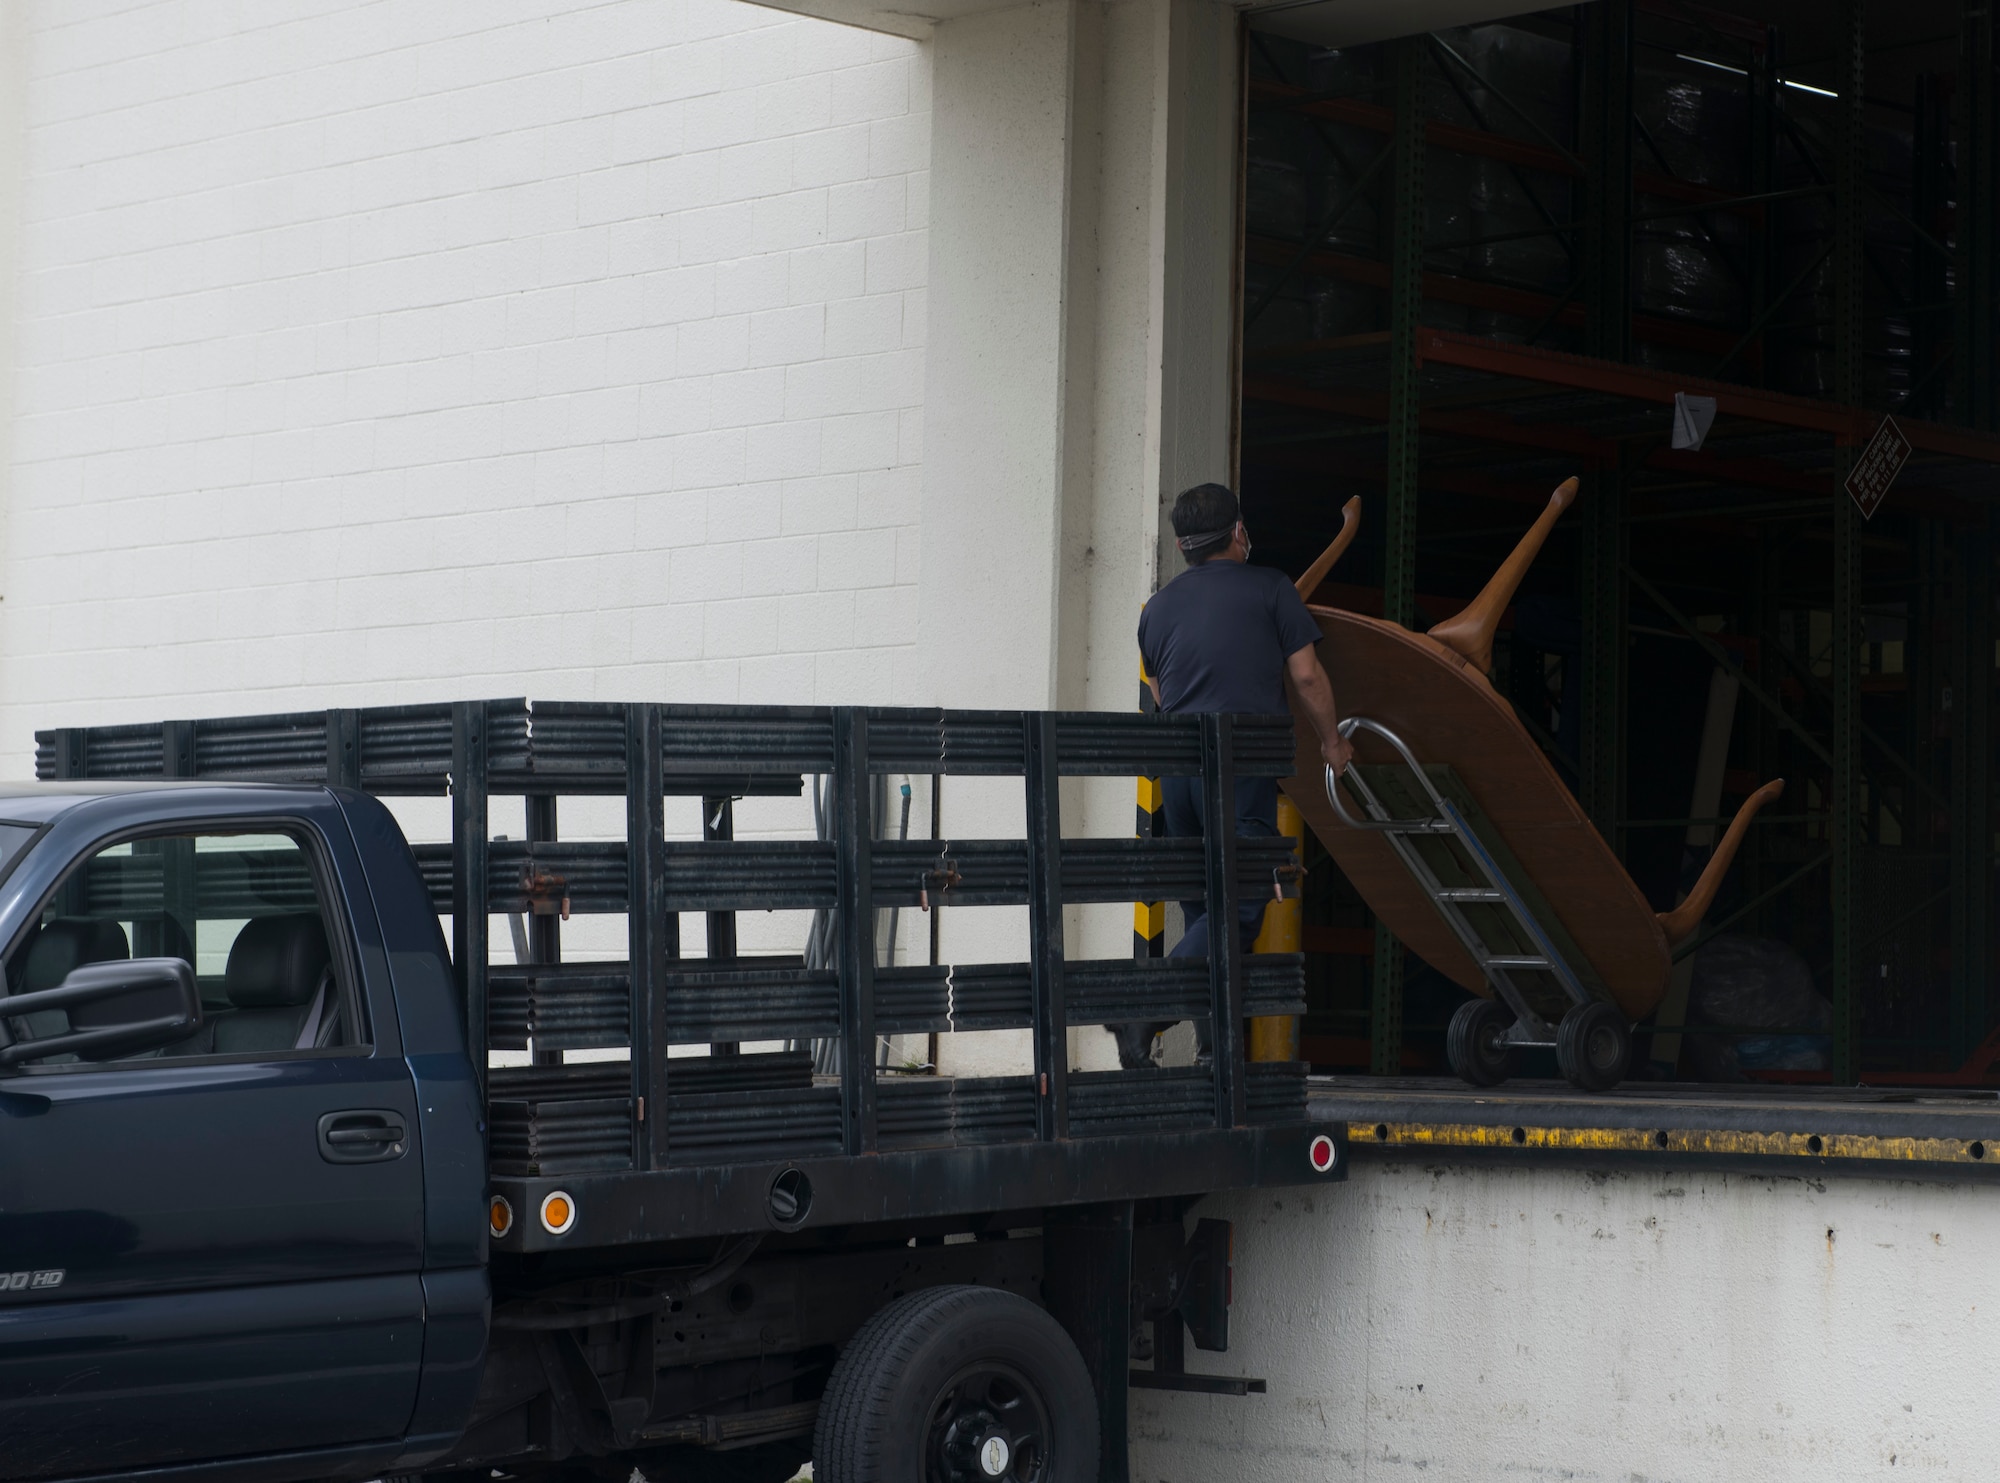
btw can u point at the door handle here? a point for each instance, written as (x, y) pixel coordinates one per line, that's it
(364, 1136)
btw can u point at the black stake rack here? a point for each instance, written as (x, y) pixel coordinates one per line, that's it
(723, 1128)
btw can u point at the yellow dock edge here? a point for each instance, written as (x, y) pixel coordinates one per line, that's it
(1731, 1142)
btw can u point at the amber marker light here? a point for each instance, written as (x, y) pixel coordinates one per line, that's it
(558, 1212)
(499, 1215)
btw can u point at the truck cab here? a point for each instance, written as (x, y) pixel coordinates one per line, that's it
(241, 1165)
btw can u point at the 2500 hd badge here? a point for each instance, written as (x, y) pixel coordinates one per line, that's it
(11, 1282)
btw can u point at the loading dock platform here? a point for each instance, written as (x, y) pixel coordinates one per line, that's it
(1881, 1132)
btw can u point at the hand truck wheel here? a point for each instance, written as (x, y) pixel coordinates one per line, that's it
(1474, 1045)
(1593, 1043)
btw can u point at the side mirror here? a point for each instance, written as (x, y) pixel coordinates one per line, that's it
(114, 1008)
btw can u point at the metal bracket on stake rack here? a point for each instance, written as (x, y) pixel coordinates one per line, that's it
(1499, 966)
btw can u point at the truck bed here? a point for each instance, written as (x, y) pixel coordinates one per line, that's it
(656, 1148)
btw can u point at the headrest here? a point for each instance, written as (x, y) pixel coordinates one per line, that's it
(65, 945)
(276, 962)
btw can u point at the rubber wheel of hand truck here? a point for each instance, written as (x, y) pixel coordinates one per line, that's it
(1593, 1043)
(1473, 1045)
(958, 1385)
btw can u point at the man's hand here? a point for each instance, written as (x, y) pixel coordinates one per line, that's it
(1337, 751)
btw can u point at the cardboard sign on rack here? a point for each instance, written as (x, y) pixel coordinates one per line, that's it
(1876, 469)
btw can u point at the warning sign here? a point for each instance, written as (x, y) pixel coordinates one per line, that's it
(1876, 469)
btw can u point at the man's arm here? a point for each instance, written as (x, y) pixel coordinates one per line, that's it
(1315, 693)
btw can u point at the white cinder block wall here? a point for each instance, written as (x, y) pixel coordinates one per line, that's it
(375, 352)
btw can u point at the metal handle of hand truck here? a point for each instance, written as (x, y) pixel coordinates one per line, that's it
(1441, 820)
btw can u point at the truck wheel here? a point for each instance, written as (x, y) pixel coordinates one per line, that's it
(958, 1385)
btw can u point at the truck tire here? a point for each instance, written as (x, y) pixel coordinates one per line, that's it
(958, 1385)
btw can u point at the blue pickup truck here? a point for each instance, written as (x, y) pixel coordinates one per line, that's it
(273, 1208)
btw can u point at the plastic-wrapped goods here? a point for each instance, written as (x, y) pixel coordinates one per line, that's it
(1297, 168)
(1474, 199)
(1495, 222)
(1757, 983)
(1690, 267)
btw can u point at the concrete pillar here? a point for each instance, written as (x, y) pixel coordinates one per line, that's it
(1079, 368)
(1078, 373)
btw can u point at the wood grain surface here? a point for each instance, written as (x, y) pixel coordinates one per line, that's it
(1446, 711)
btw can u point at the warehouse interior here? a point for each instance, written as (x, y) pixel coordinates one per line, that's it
(1476, 262)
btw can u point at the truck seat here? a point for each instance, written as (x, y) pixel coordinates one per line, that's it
(280, 986)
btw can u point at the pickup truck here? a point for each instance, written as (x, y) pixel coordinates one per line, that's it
(289, 1189)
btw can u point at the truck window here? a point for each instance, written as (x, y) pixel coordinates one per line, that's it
(244, 909)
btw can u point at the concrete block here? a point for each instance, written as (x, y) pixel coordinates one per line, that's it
(775, 679)
(829, 156)
(898, 262)
(874, 90)
(733, 629)
(783, 450)
(670, 408)
(710, 345)
(783, 567)
(752, 398)
(866, 325)
(821, 274)
(815, 621)
(857, 558)
(861, 441)
(747, 172)
(648, 133)
(796, 219)
(781, 337)
(851, 676)
(716, 233)
(899, 145)
(619, 193)
(865, 208)
(705, 460)
(745, 512)
(751, 283)
(823, 503)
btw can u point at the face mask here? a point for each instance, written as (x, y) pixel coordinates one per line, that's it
(1244, 531)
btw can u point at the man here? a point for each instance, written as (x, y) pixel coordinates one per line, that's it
(1222, 636)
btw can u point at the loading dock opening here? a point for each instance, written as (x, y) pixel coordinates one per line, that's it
(1479, 261)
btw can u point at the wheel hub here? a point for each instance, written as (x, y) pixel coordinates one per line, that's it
(988, 1424)
(1603, 1047)
(994, 1455)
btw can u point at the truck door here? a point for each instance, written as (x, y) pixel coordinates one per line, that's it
(209, 1249)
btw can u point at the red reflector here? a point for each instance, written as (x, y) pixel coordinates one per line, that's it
(1322, 1154)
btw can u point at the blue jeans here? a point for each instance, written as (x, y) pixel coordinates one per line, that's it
(1256, 816)
(1181, 804)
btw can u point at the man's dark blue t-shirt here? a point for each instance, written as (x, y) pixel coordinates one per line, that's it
(1216, 638)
